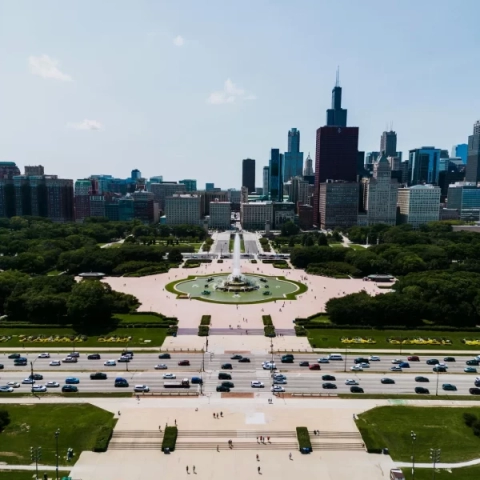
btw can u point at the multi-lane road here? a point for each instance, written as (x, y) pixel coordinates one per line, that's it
(141, 371)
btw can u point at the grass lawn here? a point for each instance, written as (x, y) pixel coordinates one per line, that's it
(466, 473)
(322, 319)
(435, 427)
(131, 318)
(29, 475)
(35, 425)
(53, 273)
(323, 338)
(356, 247)
(337, 245)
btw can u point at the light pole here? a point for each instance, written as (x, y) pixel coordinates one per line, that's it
(346, 354)
(57, 433)
(36, 456)
(414, 437)
(31, 375)
(438, 374)
(435, 457)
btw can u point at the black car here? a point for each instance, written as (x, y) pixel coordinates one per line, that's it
(472, 362)
(228, 384)
(244, 360)
(329, 385)
(69, 388)
(304, 364)
(14, 356)
(477, 383)
(421, 379)
(94, 356)
(449, 359)
(236, 357)
(165, 355)
(387, 381)
(439, 369)
(224, 376)
(422, 390)
(128, 352)
(356, 389)
(432, 361)
(36, 376)
(1, 366)
(328, 377)
(475, 391)
(361, 360)
(98, 376)
(227, 366)
(222, 388)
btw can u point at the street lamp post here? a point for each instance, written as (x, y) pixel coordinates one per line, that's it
(345, 364)
(57, 433)
(435, 457)
(436, 390)
(414, 437)
(36, 456)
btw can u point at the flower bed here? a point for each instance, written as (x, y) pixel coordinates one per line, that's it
(357, 340)
(419, 341)
(471, 341)
(114, 339)
(5, 338)
(52, 338)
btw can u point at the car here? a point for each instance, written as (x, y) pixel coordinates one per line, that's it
(314, 366)
(244, 360)
(374, 358)
(449, 386)
(160, 366)
(364, 365)
(329, 385)
(224, 376)
(351, 381)
(397, 361)
(257, 384)
(476, 383)
(432, 361)
(141, 388)
(277, 389)
(396, 368)
(474, 391)
(361, 360)
(236, 357)
(356, 368)
(449, 359)
(164, 356)
(44, 355)
(123, 359)
(280, 381)
(13, 384)
(422, 390)
(404, 365)
(473, 362)
(55, 363)
(36, 376)
(72, 380)
(52, 384)
(39, 388)
(110, 363)
(2, 366)
(439, 369)
(323, 360)
(221, 388)
(328, 378)
(169, 375)
(228, 384)
(14, 356)
(470, 370)
(70, 360)
(128, 353)
(69, 388)
(6, 389)
(387, 381)
(28, 381)
(413, 358)
(94, 356)
(421, 379)
(356, 389)
(279, 376)
(304, 364)
(269, 366)
(184, 363)
(98, 376)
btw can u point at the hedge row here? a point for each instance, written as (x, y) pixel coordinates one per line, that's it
(371, 443)
(172, 331)
(169, 438)
(203, 331)
(303, 438)
(198, 260)
(103, 439)
(269, 331)
(267, 320)
(205, 320)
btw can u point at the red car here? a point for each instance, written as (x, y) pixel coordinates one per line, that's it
(413, 358)
(314, 366)
(184, 363)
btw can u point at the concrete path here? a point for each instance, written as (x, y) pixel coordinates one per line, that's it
(470, 463)
(41, 468)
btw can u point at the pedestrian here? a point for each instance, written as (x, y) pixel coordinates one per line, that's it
(257, 439)
(175, 422)
(194, 469)
(268, 439)
(218, 448)
(187, 468)
(119, 413)
(258, 469)
(213, 415)
(258, 458)
(159, 428)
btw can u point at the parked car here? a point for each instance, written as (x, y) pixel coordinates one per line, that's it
(69, 388)
(421, 379)
(304, 364)
(94, 356)
(141, 388)
(356, 389)
(329, 386)
(314, 366)
(387, 381)
(184, 363)
(72, 380)
(449, 386)
(164, 356)
(330, 378)
(160, 366)
(422, 390)
(413, 358)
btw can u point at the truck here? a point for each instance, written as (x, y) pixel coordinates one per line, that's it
(185, 383)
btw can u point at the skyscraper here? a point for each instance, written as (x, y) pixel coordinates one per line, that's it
(423, 165)
(388, 143)
(136, 174)
(460, 151)
(293, 159)
(248, 174)
(276, 175)
(308, 170)
(266, 181)
(190, 184)
(473, 159)
(337, 116)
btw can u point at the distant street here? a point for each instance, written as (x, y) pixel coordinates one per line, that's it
(250, 242)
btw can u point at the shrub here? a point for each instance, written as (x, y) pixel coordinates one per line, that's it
(103, 438)
(267, 320)
(169, 438)
(303, 438)
(300, 331)
(281, 265)
(476, 428)
(205, 320)
(220, 260)
(191, 265)
(269, 331)
(172, 330)
(4, 418)
(253, 261)
(203, 331)
(469, 419)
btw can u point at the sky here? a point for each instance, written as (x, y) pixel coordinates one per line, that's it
(189, 88)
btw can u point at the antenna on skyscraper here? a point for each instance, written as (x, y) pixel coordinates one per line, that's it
(337, 83)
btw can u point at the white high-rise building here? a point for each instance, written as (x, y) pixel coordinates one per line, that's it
(308, 170)
(419, 204)
(220, 215)
(183, 209)
(254, 215)
(266, 180)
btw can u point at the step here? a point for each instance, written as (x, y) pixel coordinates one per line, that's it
(236, 446)
(234, 434)
(334, 435)
(236, 331)
(187, 331)
(286, 332)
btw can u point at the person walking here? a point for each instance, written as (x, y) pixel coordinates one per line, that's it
(187, 468)
(194, 469)
(290, 455)
(258, 458)
(258, 469)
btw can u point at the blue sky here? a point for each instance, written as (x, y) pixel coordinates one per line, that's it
(188, 88)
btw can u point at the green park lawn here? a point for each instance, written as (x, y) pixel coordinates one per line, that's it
(328, 338)
(29, 475)
(356, 247)
(35, 426)
(435, 427)
(466, 473)
(232, 241)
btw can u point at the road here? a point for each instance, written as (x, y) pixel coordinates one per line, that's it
(300, 379)
(222, 245)
(250, 242)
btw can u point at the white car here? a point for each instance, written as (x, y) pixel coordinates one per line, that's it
(356, 368)
(374, 358)
(52, 384)
(257, 384)
(6, 389)
(13, 384)
(364, 365)
(160, 366)
(110, 363)
(44, 355)
(396, 368)
(280, 381)
(269, 366)
(70, 360)
(350, 381)
(277, 388)
(55, 363)
(169, 375)
(39, 388)
(141, 388)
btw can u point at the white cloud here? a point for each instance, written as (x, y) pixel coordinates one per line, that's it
(47, 67)
(229, 94)
(86, 125)
(179, 41)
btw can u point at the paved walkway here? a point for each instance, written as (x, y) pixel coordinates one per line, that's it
(41, 468)
(440, 465)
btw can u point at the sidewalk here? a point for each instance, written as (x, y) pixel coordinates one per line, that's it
(440, 465)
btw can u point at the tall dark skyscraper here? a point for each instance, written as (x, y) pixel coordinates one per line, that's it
(337, 116)
(294, 140)
(473, 157)
(276, 175)
(248, 174)
(293, 159)
(388, 144)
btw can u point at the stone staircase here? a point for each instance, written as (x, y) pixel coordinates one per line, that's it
(286, 332)
(236, 331)
(136, 440)
(187, 331)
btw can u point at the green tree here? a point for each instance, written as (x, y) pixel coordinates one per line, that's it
(289, 228)
(322, 240)
(4, 418)
(175, 255)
